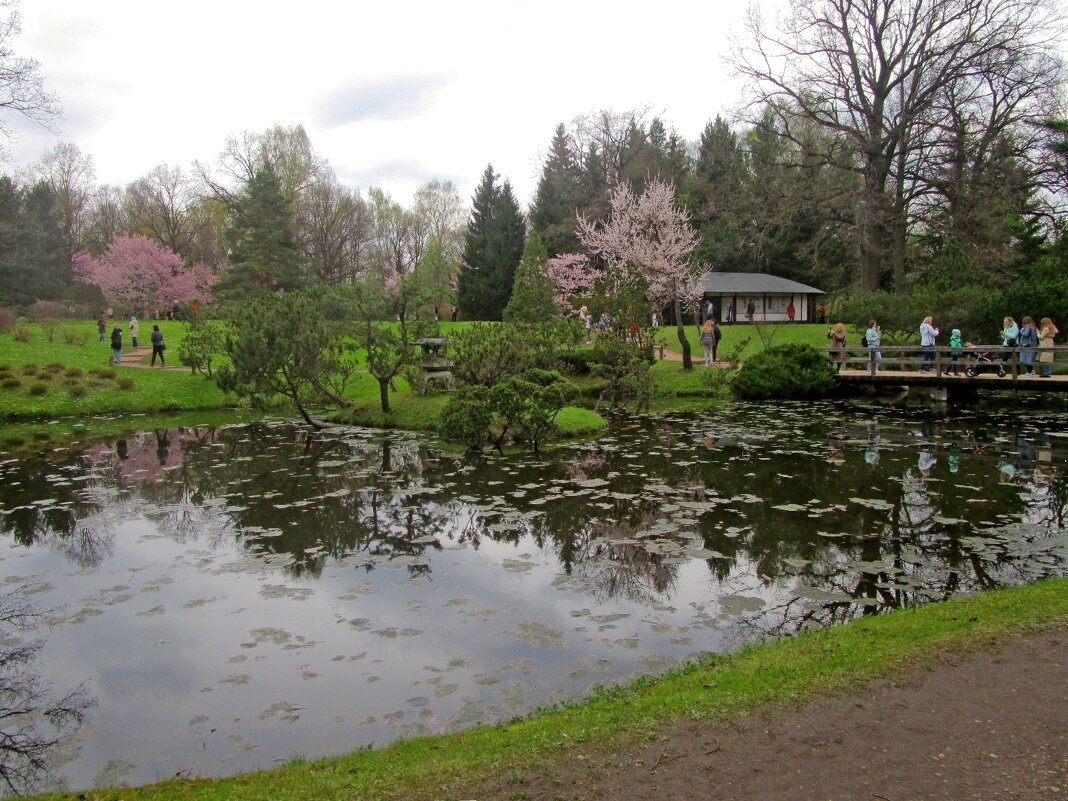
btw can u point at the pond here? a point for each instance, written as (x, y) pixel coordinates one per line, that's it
(232, 597)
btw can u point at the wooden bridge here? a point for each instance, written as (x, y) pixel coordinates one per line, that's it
(977, 367)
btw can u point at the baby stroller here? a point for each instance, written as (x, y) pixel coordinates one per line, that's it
(984, 363)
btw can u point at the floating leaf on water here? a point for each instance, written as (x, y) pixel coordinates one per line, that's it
(538, 634)
(873, 503)
(739, 604)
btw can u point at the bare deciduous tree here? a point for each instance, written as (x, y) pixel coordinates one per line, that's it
(878, 73)
(22, 87)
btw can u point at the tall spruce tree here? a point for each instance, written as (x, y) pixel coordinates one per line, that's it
(558, 196)
(493, 246)
(264, 252)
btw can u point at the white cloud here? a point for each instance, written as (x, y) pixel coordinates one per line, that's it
(395, 94)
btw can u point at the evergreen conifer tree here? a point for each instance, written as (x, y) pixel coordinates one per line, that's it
(558, 196)
(493, 245)
(264, 252)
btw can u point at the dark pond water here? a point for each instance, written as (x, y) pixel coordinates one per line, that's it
(233, 597)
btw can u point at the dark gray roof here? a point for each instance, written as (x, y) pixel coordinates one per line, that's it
(753, 284)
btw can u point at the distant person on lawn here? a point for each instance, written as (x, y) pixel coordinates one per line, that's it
(116, 345)
(158, 347)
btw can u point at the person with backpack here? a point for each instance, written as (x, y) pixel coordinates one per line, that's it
(116, 345)
(873, 339)
(717, 335)
(708, 341)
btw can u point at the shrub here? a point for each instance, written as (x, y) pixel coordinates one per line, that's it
(74, 372)
(78, 390)
(466, 417)
(7, 319)
(785, 371)
(40, 388)
(22, 334)
(11, 383)
(48, 311)
(53, 367)
(29, 369)
(205, 341)
(625, 368)
(105, 374)
(577, 361)
(73, 336)
(125, 383)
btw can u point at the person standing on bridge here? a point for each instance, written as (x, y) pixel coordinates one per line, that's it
(1046, 333)
(927, 340)
(837, 336)
(957, 348)
(1028, 342)
(874, 338)
(1010, 334)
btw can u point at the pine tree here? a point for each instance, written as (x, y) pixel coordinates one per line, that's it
(558, 196)
(41, 251)
(264, 252)
(533, 293)
(493, 245)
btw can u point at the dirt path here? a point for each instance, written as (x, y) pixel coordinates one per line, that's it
(993, 725)
(132, 357)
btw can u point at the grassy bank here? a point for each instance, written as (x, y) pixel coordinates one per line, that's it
(833, 660)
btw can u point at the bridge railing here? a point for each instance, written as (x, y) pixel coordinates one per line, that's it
(971, 361)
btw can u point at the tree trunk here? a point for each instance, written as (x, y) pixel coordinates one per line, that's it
(383, 394)
(687, 360)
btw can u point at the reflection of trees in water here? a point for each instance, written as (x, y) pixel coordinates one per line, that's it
(35, 726)
(289, 491)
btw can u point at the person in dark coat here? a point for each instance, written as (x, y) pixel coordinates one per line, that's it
(158, 347)
(116, 345)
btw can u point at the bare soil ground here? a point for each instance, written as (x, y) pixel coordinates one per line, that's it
(990, 725)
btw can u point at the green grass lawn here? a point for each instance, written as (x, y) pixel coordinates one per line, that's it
(45, 379)
(722, 687)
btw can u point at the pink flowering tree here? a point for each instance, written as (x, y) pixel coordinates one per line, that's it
(571, 274)
(138, 275)
(649, 234)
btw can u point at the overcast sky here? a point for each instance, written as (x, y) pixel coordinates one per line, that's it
(392, 94)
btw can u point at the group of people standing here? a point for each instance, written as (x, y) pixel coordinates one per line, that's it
(158, 345)
(1035, 343)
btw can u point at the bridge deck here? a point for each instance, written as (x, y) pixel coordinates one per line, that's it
(900, 365)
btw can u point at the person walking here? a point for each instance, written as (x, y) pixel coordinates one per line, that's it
(821, 310)
(158, 347)
(1047, 331)
(1028, 341)
(101, 327)
(837, 336)
(717, 335)
(874, 339)
(730, 313)
(927, 341)
(790, 311)
(957, 348)
(750, 310)
(116, 345)
(708, 341)
(134, 328)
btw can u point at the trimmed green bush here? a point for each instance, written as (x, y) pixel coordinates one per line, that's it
(787, 372)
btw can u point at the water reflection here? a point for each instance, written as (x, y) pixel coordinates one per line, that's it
(494, 585)
(40, 728)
